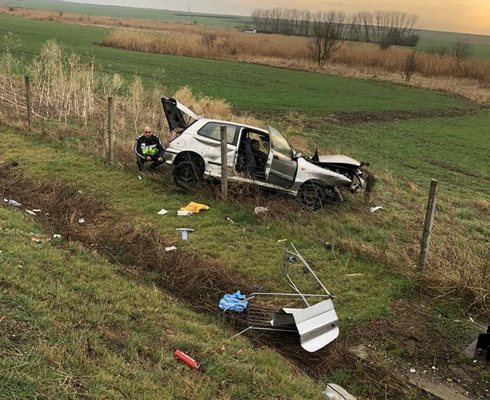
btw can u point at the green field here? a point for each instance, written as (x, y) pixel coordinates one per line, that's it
(225, 21)
(480, 44)
(246, 86)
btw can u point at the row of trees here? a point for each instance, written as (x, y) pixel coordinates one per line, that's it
(385, 28)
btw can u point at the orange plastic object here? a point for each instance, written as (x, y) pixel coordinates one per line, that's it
(189, 361)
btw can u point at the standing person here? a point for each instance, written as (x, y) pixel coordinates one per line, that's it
(149, 148)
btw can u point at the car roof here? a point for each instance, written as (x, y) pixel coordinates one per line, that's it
(204, 121)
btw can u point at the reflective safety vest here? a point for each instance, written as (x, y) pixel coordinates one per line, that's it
(150, 150)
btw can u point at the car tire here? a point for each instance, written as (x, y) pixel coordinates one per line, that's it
(187, 175)
(312, 196)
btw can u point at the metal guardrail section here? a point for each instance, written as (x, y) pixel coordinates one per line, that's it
(316, 324)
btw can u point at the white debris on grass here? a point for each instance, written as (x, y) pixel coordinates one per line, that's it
(170, 248)
(182, 213)
(81, 220)
(12, 202)
(30, 212)
(260, 210)
(162, 212)
(377, 208)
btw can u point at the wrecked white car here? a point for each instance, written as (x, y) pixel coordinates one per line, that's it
(255, 156)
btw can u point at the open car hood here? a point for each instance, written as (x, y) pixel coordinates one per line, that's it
(338, 159)
(178, 115)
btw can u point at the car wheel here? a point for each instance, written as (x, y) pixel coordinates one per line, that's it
(312, 196)
(187, 175)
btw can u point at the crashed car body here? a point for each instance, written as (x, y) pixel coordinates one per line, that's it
(255, 156)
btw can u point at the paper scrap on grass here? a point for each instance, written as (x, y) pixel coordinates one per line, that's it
(30, 212)
(81, 220)
(377, 208)
(162, 212)
(170, 248)
(182, 213)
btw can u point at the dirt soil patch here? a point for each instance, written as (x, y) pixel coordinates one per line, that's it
(198, 280)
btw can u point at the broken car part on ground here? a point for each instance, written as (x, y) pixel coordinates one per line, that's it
(316, 324)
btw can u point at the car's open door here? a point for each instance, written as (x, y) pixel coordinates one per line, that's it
(281, 166)
(178, 116)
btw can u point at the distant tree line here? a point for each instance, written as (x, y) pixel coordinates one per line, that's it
(382, 27)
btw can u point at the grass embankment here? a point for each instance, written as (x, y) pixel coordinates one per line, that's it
(73, 326)
(251, 247)
(258, 87)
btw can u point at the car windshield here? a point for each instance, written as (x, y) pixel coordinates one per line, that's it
(279, 143)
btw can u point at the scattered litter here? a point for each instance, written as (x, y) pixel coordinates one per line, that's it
(80, 191)
(170, 248)
(184, 232)
(184, 213)
(194, 208)
(230, 220)
(377, 208)
(12, 202)
(190, 362)
(233, 302)
(31, 212)
(472, 320)
(335, 392)
(282, 240)
(162, 212)
(434, 367)
(413, 370)
(140, 177)
(260, 210)
(81, 220)
(56, 236)
(356, 274)
(36, 210)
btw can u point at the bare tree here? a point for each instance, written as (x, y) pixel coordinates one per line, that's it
(461, 50)
(410, 64)
(327, 30)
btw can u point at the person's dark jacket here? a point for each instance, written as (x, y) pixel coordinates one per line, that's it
(149, 147)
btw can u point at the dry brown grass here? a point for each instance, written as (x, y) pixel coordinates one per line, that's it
(360, 60)
(69, 91)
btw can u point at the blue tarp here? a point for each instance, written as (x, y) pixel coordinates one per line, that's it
(233, 302)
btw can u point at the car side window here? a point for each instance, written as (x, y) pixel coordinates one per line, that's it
(212, 130)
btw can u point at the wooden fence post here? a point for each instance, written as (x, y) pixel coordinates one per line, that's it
(429, 221)
(28, 101)
(110, 153)
(224, 164)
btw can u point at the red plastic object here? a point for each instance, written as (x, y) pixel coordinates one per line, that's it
(189, 361)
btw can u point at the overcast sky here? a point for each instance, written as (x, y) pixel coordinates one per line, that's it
(471, 16)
